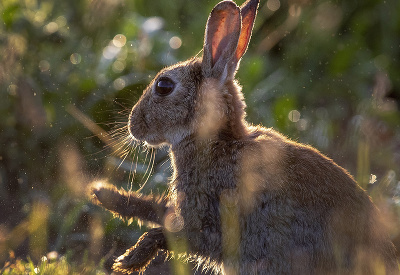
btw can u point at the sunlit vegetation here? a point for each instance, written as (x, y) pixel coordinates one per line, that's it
(52, 266)
(324, 73)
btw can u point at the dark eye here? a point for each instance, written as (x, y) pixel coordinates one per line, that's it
(164, 86)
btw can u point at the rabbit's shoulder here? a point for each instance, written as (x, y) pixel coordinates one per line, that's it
(264, 150)
(270, 161)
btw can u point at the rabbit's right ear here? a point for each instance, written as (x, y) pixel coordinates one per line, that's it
(221, 40)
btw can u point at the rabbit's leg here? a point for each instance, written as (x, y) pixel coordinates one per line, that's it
(138, 257)
(128, 205)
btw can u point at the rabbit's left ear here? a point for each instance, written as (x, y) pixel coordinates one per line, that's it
(248, 11)
(227, 36)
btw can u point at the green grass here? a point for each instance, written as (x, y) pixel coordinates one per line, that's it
(56, 266)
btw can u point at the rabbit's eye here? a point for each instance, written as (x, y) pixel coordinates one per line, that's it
(164, 86)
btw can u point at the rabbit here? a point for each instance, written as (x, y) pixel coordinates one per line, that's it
(243, 199)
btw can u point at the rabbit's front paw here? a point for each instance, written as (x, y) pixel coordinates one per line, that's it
(106, 195)
(138, 257)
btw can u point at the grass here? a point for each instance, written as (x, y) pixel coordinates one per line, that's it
(52, 264)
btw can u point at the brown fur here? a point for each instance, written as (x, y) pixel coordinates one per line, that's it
(245, 199)
(127, 205)
(139, 256)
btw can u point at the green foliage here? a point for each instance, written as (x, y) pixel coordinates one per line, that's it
(323, 72)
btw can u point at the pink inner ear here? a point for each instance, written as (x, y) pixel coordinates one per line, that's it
(248, 11)
(218, 36)
(244, 37)
(226, 25)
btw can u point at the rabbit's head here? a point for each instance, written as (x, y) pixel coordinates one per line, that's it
(199, 98)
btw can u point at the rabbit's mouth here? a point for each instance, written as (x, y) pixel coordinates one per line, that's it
(139, 130)
(146, 139)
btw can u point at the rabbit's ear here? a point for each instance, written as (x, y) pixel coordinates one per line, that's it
(221, 40)
(248, 11)
(227, 36)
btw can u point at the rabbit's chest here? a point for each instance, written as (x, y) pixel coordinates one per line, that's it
(198, 196)
(201, 216)
(197, 185)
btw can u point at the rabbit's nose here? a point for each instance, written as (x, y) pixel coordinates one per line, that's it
(137, 124)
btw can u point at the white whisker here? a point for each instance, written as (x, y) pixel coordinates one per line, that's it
(149, 168)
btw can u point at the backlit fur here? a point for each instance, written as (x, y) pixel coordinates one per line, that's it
(246, 199)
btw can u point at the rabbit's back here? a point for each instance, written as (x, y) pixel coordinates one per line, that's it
(298, 207)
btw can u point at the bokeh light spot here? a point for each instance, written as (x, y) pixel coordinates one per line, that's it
(75, 58)
(273, 5)
(175, 42)
(50, 28)
(153, 24)
(119, 84)
(110, 52)
(294, 115)
(118, 66)
(119, 40)
(302, 124)
(44, 65)
(61, 21)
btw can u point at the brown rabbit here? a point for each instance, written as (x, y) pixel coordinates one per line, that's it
(243, 199)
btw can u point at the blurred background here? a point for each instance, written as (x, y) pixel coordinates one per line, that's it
(326, 73)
